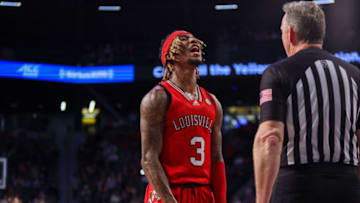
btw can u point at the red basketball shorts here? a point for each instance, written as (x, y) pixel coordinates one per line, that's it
(183, 194)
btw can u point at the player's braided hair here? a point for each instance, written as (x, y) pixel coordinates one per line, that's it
(168, 67)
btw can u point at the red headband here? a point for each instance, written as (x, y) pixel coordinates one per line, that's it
(167, 44)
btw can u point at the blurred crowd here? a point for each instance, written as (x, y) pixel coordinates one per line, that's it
(109, 168)
(228, 45)
(237, 148)
(31, 167)
(235, 44)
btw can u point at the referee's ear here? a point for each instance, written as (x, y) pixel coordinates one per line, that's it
(293, 36)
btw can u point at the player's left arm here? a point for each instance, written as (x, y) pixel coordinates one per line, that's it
(218, 176)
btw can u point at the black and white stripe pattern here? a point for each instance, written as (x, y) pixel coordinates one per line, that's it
(321, 117)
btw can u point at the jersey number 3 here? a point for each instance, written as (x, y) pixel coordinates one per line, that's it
(200, 150)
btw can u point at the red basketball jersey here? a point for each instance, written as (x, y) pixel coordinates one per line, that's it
(186, 152)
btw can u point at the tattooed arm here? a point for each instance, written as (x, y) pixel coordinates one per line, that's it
(153, 110)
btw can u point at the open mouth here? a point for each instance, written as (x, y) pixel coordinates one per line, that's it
(195, 49)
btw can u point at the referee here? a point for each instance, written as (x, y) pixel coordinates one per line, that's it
(306, 148)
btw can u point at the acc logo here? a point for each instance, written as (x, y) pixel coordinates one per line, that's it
(154, 197)
(28, 70)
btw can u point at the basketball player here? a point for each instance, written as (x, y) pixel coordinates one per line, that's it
(306, 149)
(181, 130)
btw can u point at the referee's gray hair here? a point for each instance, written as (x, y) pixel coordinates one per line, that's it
(307, 19)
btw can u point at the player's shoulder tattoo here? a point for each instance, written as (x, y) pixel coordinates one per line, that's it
(154, 102)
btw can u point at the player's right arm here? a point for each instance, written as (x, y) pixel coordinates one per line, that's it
(153, 110)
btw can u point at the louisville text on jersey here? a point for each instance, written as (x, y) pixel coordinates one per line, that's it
(193, 121)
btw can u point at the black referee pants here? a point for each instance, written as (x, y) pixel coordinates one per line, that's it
(317, 183)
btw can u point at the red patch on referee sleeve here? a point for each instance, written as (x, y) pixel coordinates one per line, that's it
(265, 96)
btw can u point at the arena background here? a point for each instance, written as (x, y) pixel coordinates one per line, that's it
(61, 147)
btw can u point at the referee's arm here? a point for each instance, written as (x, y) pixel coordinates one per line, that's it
(358, 139)
(269, 137)
(266, 151)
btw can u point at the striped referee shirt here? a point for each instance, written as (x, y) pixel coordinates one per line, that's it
(315, 94)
